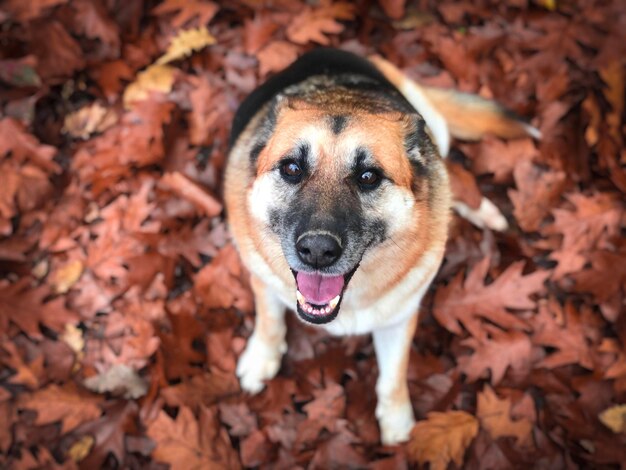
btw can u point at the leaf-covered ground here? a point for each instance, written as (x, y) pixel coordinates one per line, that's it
(123, 306)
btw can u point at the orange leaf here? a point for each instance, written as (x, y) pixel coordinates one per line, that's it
(495, 418)
(442, 438)
(314, 24)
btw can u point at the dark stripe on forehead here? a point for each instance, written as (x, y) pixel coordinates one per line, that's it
(338, 124)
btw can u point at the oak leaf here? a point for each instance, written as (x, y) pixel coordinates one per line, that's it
(313, 24)
(89, 120)
(185, 43)
(442, 438)
(258, 31)
(594, 220)
(155, 79)
(66, 404)
(202, 389)
(222, 284)
(63, 278)
(538, 191)
(497, 353)
(466, 302)
(197, 12)
(276, 56)
(564, 330)
(187, 443)
(495, 417)
(187, 189)
(393, 8)
(24, 11)
(614, 418)
(27, 308)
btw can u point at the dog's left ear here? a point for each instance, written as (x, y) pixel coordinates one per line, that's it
(419, 142)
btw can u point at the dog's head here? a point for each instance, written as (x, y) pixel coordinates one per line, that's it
(333, 184)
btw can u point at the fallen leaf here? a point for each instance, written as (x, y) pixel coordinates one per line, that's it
(442, 438)
(187, 189)
(81, 448)
(155, 79)
(63, 278)
(276, 56)
(313, 24)
(495, 417)
(501, 351)
(198, 12)
(187, 443)
(538, 192)
(465, 303)
(65, 404)
(120, 380)
(89, 120)
(614, 418)
(185, 43)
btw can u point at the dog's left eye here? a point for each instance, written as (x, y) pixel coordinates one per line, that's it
(369, 179)
(291, 171)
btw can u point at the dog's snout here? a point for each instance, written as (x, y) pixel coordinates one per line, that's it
(318, 250)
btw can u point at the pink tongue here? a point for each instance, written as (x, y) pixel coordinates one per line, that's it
(318, 289)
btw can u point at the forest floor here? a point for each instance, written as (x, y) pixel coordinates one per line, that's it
(123, 304)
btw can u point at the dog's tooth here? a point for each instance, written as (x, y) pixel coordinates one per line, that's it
(300, 298)
(333, 303)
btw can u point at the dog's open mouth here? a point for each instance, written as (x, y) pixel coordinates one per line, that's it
(319, 297)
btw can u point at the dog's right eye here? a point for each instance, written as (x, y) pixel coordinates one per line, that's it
(291, 171)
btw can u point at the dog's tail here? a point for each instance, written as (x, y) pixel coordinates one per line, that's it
(452, 113)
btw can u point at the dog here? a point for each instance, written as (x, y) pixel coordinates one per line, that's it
(338, 202)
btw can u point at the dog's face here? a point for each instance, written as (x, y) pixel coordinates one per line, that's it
(331, 189)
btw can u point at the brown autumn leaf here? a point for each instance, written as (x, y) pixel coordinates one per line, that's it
(565, 331)
(205, 111)
(221, 284)
(24, 11)
(64, 277)
(538, 191)
(314, 24)
(187, 189)
(500, 158)
(258, 31)
(93, 21)
(499, 352)
(393, 8)
(66, 404)
(188, 12)
(157, 78)
(201, 390)
(442, 438)
(89, 120)
(594, 220)
(190, 443)
(608, 291)
(464, 303)
(614, 418)
(58, 54)
(185, 43)
(26, 307)
(276, 56)
(495, 417)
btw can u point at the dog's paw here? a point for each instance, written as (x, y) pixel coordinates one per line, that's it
(259, 362)
(396, 422)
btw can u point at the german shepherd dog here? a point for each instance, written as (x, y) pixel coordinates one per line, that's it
(338, 201)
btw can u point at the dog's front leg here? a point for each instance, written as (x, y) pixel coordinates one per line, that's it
(394, 410)
(261, 359)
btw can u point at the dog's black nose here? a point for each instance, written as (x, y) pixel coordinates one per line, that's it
(318, 250)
